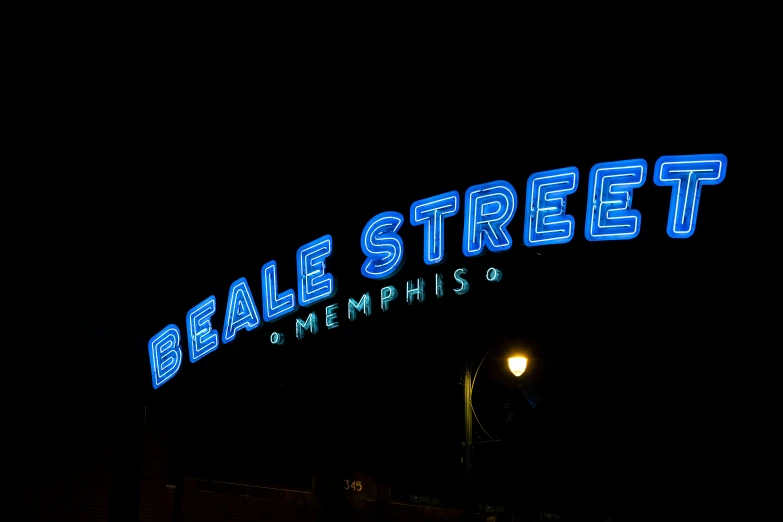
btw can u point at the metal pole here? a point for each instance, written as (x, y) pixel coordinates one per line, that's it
(467, 387)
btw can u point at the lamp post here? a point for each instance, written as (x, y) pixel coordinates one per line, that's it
(517, 364)
(467, 383)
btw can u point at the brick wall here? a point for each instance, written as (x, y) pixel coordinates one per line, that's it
(157, 504)
(207, 501)
(156, 496)
(61, 504)
(416, 513)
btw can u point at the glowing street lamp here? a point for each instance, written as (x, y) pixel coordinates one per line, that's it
(517, 365)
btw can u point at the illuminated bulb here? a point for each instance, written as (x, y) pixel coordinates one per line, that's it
(517, 365)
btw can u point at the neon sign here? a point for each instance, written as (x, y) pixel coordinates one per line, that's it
(546, 222)
(489, 209)
(241, 312)
(382, 246)
(609, 196)
(431, 213)
(202, 339)
(686, 175)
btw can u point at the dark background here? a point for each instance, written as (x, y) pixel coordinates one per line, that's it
(171, 212)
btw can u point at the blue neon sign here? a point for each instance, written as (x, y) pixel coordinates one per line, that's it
(489, 209)
(241, 312)
(275, 305)
(687, 175)
(432, 213)
(546, 222)
(315, 284)
(609, 197)
(382, 246)
(165, 355)
(202, 339)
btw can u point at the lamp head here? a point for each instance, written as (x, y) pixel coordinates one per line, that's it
(517, 365)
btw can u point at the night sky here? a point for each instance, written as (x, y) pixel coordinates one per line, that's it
(184, 210)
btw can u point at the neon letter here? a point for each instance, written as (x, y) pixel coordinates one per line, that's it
(202, 339)
(388, 293)
(494, 275)
(315, 284)
(241, 311)
(432, 212)
(438, 285)
(463, 283)
(276, 338)
(686, 175)
(364, 305)
(609, 197)
(490, 208)
(412, 292)
(331, 317)
(382, 246)
(311, 323)
(165, 355)
(275, 305)
(546, 222)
